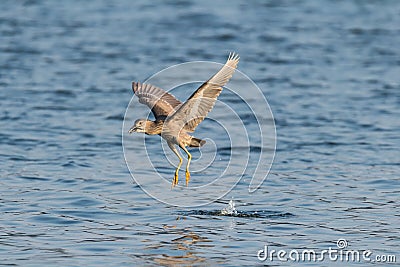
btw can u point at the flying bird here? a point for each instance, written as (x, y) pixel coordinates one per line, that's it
(174, 120)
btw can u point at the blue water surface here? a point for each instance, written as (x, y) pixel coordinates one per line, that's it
(329, 69)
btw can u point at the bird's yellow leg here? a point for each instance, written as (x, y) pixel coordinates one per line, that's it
(175, 181)
(173, 148)
(187, 166)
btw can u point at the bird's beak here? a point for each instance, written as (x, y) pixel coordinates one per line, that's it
(133, 129)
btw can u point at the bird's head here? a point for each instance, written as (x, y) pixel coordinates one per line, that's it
(139, 126)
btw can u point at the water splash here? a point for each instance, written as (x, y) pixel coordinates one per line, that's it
(230, 209)
(265, 214)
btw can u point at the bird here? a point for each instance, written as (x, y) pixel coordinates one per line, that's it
(174, 120)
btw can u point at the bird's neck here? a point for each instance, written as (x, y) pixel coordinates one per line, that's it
(154, 127)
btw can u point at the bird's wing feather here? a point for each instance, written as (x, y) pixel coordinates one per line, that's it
(195, 109)
(159, 101)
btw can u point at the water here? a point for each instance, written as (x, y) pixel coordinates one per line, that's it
(329, 69)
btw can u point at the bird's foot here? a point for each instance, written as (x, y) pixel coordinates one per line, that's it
(175, 181)
(187, 177)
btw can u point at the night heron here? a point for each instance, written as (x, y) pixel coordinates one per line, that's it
(174, 119)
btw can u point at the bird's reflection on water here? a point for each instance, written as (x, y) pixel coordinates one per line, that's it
(181, 250)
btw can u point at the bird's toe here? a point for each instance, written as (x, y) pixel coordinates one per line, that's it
(175, 180)
(187, 178)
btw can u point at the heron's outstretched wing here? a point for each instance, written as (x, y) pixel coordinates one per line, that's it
(159, 101)
(196, 108)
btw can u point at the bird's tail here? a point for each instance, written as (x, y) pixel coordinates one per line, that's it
(196, 142)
